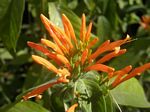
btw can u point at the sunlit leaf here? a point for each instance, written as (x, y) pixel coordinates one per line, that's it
(130, 93)
(54, 15)
(4, 54)
(27, 106)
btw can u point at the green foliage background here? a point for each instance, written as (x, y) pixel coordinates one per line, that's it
(112, 19)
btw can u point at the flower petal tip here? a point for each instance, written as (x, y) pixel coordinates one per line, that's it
(72, 108)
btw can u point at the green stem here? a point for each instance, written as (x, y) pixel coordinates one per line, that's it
(105, 106)
(104, 80)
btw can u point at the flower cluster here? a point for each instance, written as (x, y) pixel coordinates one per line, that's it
(70, 52)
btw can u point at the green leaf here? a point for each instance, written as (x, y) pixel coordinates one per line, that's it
(82, 88)
(73, 4)
(134, 8)
(102, 4)
(4, 4)
(88, 88)
(4, 54)
(88, 84)
(57, 102)
(12, 15)
(27, 106)
(130, 93)
(102, 104)
(103, 28)
(111, 12)
(54, 15)
(90, 4)
(109, 103)
(36, 7)
(93, 99)
(32, 76)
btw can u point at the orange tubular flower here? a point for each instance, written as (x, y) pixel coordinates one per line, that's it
(64, 60)
(122, 75)
(39, 90)
(52, 45)
(46, 23)
(123, 71)
(100, 67)
(100, 50)
(62, 36)
(74, 57)
(45, 51)
(137, 71)
(83, 28)
(92, 43)
(118, 43)
(111, 55)
(45, 63)
(87, 36)
(70, 28)
(84, 56)
(72, 108)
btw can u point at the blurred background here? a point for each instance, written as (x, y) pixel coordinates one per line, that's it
(112, 19)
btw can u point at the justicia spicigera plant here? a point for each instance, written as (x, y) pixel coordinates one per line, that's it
(76, 62)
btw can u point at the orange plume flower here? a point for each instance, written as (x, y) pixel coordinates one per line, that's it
(73, 56)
